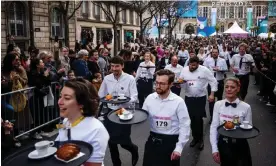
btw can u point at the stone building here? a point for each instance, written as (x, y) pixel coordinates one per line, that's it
(91, 17)
(33, 22)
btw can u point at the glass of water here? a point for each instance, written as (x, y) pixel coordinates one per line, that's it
(132, 107)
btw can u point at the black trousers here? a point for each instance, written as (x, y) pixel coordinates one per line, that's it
(176, 90)
(144, 88)
(182, 61)
(234, 152)
(218, 95)
(197, 127)
(158, 150)
(114, 151)
(244, 80)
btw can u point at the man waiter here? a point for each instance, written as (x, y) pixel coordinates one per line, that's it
(119, 82)
(176, 68)
(218, 66)
(169, 123)
(197, 78)
(240, 65)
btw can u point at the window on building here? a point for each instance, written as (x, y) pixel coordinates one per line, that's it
(56, 22)
(222, 12)
(240, 12)
(96, 12)
(258, 11)
(179, 28)
(131, 17)
(205, 12)
(231, 12)
(17, 19)
(222, 28)
(124, 16)
(137, 19)
(104, 35)
(84, 9)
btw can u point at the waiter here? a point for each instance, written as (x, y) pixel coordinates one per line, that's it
(123, 83)
(197, 78)
(240, 65)
(176, 68)
(169, 123)
(144, 78)
(218, 66)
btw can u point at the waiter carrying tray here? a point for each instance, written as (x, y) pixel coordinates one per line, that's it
(196, 79)
(119, 82)
(169, 123)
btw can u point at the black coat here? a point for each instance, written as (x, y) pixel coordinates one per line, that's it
(162, 63)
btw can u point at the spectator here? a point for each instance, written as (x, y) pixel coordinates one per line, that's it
(64, 59)
(80, 65)
(71, 75)
(97, 81)
(92, 63)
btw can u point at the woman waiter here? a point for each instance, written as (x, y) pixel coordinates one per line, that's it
(144, 78)
(227, 151)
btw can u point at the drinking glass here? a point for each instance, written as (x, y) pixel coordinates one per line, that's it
(132, 107)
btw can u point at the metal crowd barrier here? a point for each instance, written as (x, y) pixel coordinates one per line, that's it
(34, 111)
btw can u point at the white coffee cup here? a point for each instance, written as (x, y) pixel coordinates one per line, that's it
(121, 95)
(43, 146)
(245, 124)
(126, 114)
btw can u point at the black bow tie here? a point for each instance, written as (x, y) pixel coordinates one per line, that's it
(234, 105)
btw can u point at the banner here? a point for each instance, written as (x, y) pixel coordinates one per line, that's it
(249, 18)
(262, 23)
(271, 8)
(202, 28)
(213, 17)
(187, 9)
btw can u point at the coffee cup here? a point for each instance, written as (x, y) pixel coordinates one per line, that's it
(121, 95)
(126, 114)
(43, 146)
(245, 124)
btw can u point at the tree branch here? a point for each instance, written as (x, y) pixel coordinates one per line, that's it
(74, 11)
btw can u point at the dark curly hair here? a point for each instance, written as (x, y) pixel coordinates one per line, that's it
(86, 95)
(7, 62)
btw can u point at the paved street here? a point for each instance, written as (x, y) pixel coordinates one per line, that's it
(263, 148)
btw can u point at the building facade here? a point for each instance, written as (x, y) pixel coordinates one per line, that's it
(27, 23)
(91, 17)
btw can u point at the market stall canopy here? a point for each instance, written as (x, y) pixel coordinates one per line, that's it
(235, 29)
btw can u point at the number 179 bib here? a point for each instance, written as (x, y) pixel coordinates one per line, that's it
(162, 123)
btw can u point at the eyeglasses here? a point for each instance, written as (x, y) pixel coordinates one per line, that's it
(161, 83)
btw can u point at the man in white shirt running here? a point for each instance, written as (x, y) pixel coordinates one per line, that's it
(169, 123)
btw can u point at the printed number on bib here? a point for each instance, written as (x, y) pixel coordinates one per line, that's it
(162, 124)
(192, 84)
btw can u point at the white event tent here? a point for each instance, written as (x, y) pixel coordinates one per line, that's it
(236, 30)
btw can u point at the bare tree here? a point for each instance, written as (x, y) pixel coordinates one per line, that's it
(113, 16)
(141, 7)
(68, 10)
(159, 15)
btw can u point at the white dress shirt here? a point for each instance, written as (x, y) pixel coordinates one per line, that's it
(183, 54)
(145, 72)
(225, 55)
(177, 70)
(197, 81)
(201, 56)
(221, 64)
(169, 117)
(223, 113)
(126, 85)
(89, 130)
(245, 68)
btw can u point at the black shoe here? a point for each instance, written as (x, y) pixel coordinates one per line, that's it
(201, 145)
(135, 155)
(193, 143)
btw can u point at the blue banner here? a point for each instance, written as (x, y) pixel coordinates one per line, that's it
(188, 9)
(271, 8)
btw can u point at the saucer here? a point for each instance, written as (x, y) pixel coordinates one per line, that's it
(248, 128)
(230, 129)
(34, 154)
(78, 156)
(121, 98)
(122, 117)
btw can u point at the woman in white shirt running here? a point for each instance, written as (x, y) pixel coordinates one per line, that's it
(227, 151)
(78, 104)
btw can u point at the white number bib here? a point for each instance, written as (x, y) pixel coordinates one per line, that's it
(144, 73)
(162, 123)
(192, 83)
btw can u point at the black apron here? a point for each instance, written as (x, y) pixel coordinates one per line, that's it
(158, 150)
(196, 106)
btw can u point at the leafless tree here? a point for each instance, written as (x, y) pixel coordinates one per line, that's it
(68, 10)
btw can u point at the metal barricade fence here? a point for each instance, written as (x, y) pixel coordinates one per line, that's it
(31, 110)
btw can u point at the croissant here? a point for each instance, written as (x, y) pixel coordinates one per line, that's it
(68, 151)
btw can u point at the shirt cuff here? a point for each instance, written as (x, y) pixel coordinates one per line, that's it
(214, 149)
(178, 149)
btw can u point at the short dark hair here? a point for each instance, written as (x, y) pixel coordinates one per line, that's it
(71, 71)
(215, 49)
(86, 95)
(117, 60)
(168, 73)
(194, 59)
(91, 53)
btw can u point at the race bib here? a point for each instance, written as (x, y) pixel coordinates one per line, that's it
(192, 83)
(144, 73)
(162, 123)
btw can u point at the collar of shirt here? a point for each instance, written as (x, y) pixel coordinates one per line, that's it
(235, 101)
(120, 78)
(170, 97)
